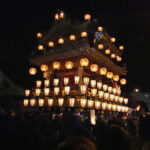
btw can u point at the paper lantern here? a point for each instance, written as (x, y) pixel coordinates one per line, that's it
(107, 51)
(32, 102)
(125, 100)
(83, 89)
(100, 46)
(25, 102)
(56, 82)
(87, 17)
(44, 67)
(114, 107)
(120, 99)
(66, 81)
(109, 75)
(105, 87)
(46, 91)
(114, 90)
(84, 62)
(76, 79)
(67, 90)
(56, 90)
(121, 47)
(116, 78)
(94, 67)
(83, 102)
(100, 94)
(104, 106)
(27, 92)
(106, 96)
(62, 15)
(123, 81)
(90, 103)
(116, 98)
(50, 102)
(71, 102)
(56, 65)
(72, 37)
(100, 29)
(97, 104)
(46, 83)
(93, 83)
(39, 35)
(56, 16)
(112, 56)
(38, 83)
(60, 101)
(92, 117)
(103, 71)
(112, 96)
(113, 39)
(86, 80)
(61, 41)
(84, 34)
(118, 108)
(37, 92)
(109, 106)
(99, 85)
(51, 44)
(93, 92)
(109, 89)
(32, 71)
(40, 47)
(119, 58)
(69, 65)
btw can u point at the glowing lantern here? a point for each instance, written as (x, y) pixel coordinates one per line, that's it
(107, 51)
(113, 56)
(99, 85)
(94, 67)
(123, 108)
(38, 83)
(40, 47)
(118, 108)
(109, 106)
(37, 92)
(50, 102)
(100, 29)
(106, 96)
(56, 90)
(126, 109)
(56, 65)
(66, 81)
(39, 35)
(123, 81)
(56, 16)
(76, 79)
(84, 62)
(61, 41)
(112, 96)
(60, 101)
(97, 104)
(62, 15)
(27, 92)
(118, 91)
(104, 106)
(32, 102)
(109, 89)
(45, 74)
(86, 80)
(114, 90)
(113, 39)
(100, 94)
(72, 37)
(116, 78)
(119, 58)
(71, 102)
(83, 34)
(44, 67)
(87, 17)
(121, 47)
(93, 83)
(100, 46)
(114, 107)
(103, 71)
(93, 92)
(67, 90)
(125, 100)
(105, 87)
(90, 103)
(116, 98)
(92, 117)
(83, 89)
(41, 102)
(120, 99)
(46, 91)
(51, 44)
(69, 65)
(56, 82)
(46, 83)
(32, 71)
(109, 75)
(83, 102)
(25, 102)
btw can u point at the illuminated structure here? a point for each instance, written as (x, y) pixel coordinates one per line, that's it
(78, 71)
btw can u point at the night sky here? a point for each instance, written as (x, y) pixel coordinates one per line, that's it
(128, 21)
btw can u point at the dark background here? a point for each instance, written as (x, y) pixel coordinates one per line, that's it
(128, 21)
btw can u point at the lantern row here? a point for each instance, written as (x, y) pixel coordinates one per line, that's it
(72, 102)
(84, 62)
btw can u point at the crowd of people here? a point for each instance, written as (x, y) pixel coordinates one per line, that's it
(43, 129)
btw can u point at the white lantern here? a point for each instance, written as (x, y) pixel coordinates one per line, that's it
(83, 102)
(104, 106)
(46, 91)
(32, 102)
(50, 102)
(126, 100)
(93, 92)
(46, 83)
(56, 82)
(56, 90)
(90, 103)
(99, 85)
(106, 96)
(60, 101)
(25, 102)
(109, 89)
(71, 102)
(105, 86)
(83, 89)
(116, 98)
(37, 92)
(114, 90)
(38, 83)
(66, 81)
(112, 96)
(92, 117)
(76, 79)
(27, 92)
(100, 94)
(67, 90)
(41, 102)
(86, 80)
(97, 104)
(93, 83)
(120, 99)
